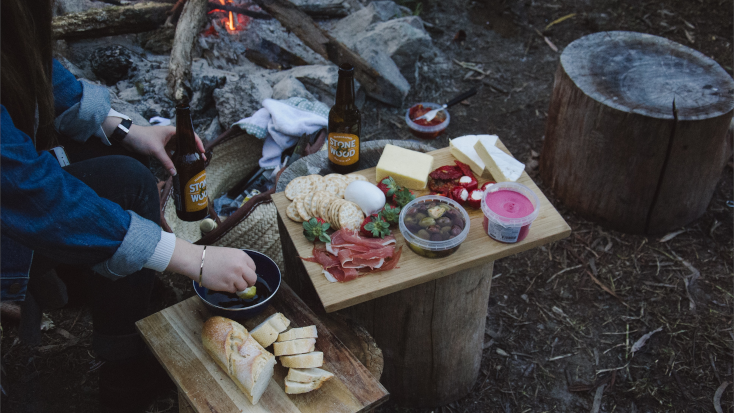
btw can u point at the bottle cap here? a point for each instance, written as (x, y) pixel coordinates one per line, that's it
(346, 69)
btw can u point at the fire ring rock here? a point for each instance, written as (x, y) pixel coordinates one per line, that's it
(112, 63)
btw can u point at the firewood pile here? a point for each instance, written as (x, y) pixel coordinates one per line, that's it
(227, 56)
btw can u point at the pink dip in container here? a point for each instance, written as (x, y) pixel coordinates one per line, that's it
(509, 209)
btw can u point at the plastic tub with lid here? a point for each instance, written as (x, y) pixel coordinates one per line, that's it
(432, 239)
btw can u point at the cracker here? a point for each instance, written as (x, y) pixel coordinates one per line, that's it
(314, 204)
(301, 209)
(292, 213)
(350, 216)
(355, 177)
(298, 186)
(342, 187)
(307, 202)
(332, 187)
(324, 205)
(319, 183)
(334, 212)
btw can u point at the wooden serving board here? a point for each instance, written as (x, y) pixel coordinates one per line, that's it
(174, 336)
(413, 269)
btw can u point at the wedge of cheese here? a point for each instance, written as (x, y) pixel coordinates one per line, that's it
(462, 148)
(502, 166)
(409, 168)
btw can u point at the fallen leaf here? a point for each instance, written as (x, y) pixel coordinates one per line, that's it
(46, 322)
(642, 340)
(558, 20)
(502, 352)
(672, 235)
(717, 396)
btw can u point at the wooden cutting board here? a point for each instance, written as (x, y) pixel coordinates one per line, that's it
(413, 269)
(174, 336)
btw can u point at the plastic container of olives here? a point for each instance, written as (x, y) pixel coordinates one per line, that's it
(434, 226)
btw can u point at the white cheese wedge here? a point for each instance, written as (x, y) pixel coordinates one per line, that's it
(462, 148)
(409, 168)
(502, 166)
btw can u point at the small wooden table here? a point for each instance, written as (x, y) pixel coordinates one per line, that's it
(427, 315)
(174, 336)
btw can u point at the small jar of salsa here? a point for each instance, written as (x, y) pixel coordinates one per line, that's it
(422, 128)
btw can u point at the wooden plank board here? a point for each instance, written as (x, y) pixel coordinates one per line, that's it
(174, 336)
(413, 269)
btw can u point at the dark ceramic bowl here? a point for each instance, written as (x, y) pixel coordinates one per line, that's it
(267, 269)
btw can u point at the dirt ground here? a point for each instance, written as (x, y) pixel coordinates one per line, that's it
(556, 339)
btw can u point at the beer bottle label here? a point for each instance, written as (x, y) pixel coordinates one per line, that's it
(343, 148)
(194, 196)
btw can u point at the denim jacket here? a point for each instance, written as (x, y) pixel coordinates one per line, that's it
(46, 210)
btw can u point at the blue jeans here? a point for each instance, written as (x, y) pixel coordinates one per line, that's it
(124, 178)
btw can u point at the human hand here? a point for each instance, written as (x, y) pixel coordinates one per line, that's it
(225, 269)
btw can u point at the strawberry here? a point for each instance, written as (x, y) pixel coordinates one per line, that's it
(375, 226)
(388, 186)
(403, 196)
(316, 228)
(391, 215)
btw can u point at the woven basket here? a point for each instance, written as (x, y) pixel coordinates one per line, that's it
(254, 225)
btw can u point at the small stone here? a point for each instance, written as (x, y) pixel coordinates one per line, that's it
(112, 63)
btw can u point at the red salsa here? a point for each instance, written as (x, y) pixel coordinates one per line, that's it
(420, 110)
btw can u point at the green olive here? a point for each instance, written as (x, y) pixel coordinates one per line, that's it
(445, 230)
(427, 222)
(419, 216)
(423, 234)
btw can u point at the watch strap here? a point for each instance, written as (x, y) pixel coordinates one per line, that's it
(121, 130)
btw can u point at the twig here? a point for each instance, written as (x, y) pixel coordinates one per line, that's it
(562, 271)
(717, 396)
(597, 398)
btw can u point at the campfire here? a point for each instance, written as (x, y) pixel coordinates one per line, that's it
(227, 15)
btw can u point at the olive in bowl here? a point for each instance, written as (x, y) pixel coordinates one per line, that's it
(434, 226)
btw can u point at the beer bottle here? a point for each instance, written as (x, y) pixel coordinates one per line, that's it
(345, 125)
(189, 184)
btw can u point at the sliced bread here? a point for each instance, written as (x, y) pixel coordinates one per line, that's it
(294, 387)
(296, 333)
(308, 375)
(267, 332)
(287, 348)
(303, 361)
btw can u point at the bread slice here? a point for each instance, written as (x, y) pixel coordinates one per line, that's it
(267, 332)
(286, 348)
(296, 333)
(244, 360)
(294, 387)
(303, 361)
(308, 375)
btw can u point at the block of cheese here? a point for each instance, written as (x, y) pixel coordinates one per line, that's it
(296, 333)
(409, 168)
(462, 148)
(502, 166)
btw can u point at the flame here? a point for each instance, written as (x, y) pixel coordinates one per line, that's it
(231, 22)
(222, 1)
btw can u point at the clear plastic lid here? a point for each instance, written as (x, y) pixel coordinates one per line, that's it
(420, 128)
(515, 187)
(434, 245)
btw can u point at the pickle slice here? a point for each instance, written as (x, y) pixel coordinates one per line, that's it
(248, 293)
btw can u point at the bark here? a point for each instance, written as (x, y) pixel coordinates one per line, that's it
(192, 19)
(110, 21)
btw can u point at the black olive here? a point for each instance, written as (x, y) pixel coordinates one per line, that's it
(434, 229)
(458, 222)
(456, 230)
(443, 221)
(436, 237)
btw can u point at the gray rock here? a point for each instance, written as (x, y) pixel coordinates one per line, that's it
(404, 40)
(291, 87)
(127, 109)
(358, 22)
(327, 8)
(240, 98)
(214, 130)
(112, 63)
(319, 80)
(203, 87)
(381, 62)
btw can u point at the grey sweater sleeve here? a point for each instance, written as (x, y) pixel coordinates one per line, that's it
(83, 120)
(136, 249)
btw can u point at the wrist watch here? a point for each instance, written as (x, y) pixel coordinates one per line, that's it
(121, 130)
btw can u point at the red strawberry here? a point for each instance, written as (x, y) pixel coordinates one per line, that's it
(375, 226)
(403, 196)
(388, 186)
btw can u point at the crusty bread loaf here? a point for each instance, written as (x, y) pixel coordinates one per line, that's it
(308, 375)
(287, 348)
(303, 361)
(244, 360)
(294, 387)
(296, 333)
(267, 332)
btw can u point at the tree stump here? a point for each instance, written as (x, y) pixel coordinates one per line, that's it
(636, 131)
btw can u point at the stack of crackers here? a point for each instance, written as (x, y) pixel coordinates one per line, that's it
(316, 196)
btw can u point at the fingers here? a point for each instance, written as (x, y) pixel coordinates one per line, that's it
(167, 163)
(240, 284)
(199, 145)
(250, 276)
(250, 263)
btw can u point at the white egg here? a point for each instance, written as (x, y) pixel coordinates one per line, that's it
(366, 195)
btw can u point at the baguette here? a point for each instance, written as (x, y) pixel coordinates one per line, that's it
(294, 387)
(297, 333)
(267, 332)
(308, 375)
(244, 360)
(303, 361)
(287, 348)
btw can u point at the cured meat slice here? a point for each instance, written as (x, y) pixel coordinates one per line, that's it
(359, 263)
(349, 237)
(322, 257)
(390, 264)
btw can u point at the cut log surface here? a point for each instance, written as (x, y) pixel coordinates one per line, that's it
(110, 21)
(635, 136)
(192, 18)
(321, 42)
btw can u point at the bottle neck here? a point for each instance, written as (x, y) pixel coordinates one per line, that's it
(345, 91)
(186, 143)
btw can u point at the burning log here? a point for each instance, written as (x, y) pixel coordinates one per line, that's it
(192, 19)
(110, 21)
(296, 20)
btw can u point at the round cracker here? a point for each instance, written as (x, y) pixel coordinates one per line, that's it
(350, 216)
(334, 212)
(307, 202)
(342, 187)
(358, 177)
(300, 208)
(298, 186)
(292, 213)
(324, 205)
(314, 203)
(319, 183)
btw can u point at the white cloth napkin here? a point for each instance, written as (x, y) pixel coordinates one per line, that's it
(281, 123)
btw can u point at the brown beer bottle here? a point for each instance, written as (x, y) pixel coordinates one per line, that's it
(345, 125)
(189, 184)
